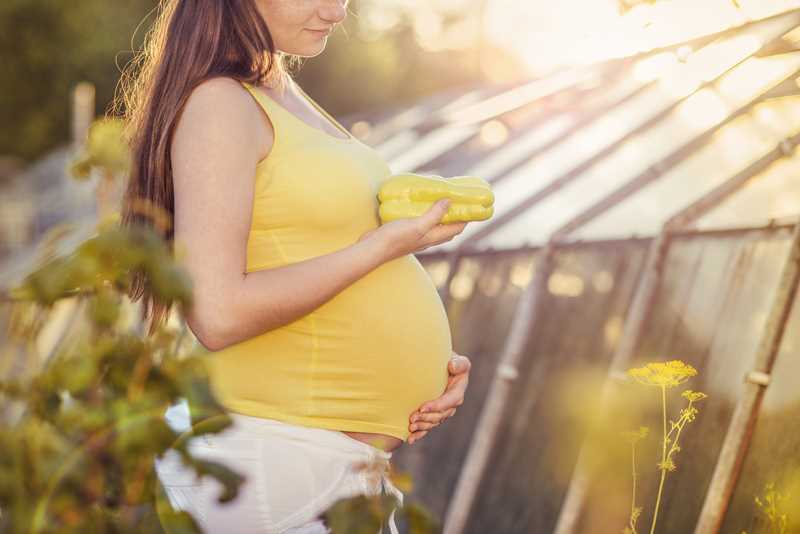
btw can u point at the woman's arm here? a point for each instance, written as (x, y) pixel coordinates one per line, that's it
(263, 300)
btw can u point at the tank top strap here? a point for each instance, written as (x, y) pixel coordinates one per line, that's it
(266, 103)
(284, 127)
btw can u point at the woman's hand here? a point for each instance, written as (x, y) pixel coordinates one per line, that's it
(432, 413)
(414, 234)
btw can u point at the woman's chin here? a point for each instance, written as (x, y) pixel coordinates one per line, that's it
(310, 51)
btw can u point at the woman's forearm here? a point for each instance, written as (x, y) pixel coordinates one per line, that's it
(266, 299)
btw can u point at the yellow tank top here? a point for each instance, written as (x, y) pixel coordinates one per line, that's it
(364, 360)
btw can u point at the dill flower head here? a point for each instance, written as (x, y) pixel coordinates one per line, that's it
(693, 396)
(663, 374)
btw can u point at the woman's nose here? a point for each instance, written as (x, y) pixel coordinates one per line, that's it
(333, 11)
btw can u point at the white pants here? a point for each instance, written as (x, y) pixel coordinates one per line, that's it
(293, 474)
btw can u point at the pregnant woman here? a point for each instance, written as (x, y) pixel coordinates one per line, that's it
(326, 338)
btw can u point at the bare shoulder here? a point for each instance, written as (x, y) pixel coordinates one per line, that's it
(225, 104)
(219, 97)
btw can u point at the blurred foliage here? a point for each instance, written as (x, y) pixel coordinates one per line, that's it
(364, 514)
(80, 457)
(104, 148)
(772, 505)
(778, 507)
(45, 50)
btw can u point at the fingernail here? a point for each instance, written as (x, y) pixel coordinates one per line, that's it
(424, 410)
(413, 428)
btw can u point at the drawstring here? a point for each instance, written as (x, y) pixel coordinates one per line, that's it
(381, 464)
(379, 467)
(387, 485)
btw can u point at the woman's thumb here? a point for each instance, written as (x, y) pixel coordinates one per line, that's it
(438, 211)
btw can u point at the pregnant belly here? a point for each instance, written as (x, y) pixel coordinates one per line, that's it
(362, 363)
(402, 336)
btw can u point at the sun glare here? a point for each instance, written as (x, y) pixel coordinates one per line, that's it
(553, 35)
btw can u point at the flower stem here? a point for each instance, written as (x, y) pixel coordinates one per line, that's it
(633, 497)
(663, 458)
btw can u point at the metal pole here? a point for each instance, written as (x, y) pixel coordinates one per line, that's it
(714, 198)
(83, 103)
(740, 430)
(486, 428)
(453, 260)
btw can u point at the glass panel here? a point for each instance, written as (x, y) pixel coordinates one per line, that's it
(589, 291)
(397, 143)
(485, 292)
(693, 116)
(464, 121)
(493, 164)
(773, 194)
(772, 457)
(430, 146)
(515, 113)
(709, 312)
(519, 96)
(702, 110)
(743, 141)
(438, 269)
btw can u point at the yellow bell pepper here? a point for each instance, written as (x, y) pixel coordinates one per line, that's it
(411, 195)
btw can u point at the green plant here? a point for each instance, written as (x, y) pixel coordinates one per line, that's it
(104, 149)
(666, 375)
(79, 455)
(634, 437)
(773, 506)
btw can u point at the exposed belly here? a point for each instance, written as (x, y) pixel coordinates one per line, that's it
(381, 441)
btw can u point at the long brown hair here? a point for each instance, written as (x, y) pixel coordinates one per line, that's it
(189, 42)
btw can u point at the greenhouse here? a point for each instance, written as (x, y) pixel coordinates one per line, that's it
(647, 209)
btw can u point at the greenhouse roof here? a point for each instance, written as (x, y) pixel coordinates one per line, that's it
(623, 148)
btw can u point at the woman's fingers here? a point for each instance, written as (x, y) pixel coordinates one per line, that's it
(423, 425)
(428, 420)
(459, 364)
(445, 406)
(425, 421)
(451, 398)
(444, 232)
(429, 417)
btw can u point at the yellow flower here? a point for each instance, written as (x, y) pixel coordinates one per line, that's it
(663, 374)
(693, 396)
